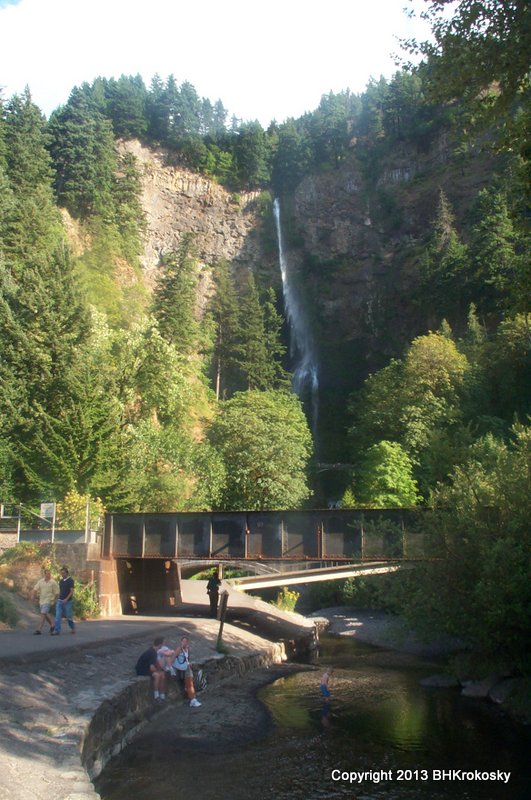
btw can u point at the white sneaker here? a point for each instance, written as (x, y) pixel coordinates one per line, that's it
(195, 703)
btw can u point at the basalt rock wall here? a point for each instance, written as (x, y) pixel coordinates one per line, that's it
(226, 226)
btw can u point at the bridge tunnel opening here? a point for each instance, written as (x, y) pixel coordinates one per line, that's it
(148, 586)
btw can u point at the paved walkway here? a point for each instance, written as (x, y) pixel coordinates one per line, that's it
(50, 687)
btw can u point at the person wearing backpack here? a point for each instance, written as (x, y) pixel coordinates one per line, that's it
(184, 670)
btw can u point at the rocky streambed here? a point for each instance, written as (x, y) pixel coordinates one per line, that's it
(387, 631)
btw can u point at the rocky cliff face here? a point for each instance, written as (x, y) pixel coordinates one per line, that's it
(351, 232)
(177, 202)
(356, 234)
(354, 241)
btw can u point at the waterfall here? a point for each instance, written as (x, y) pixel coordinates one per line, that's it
(305, 379)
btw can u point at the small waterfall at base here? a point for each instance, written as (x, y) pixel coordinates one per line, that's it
(305, 380)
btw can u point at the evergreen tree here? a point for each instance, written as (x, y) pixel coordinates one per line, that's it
(252, 156)
(493, 249)
(174, 299)
(157, 110)
(374, 101)
(276, 350)
(224, 309)
(187, 120)
(83, 151)
(126, 106)
(253, 356)
(292, 158)
(129, 215)
(330, 128)
(445, 281)
(43, 320)
(218, 127)
(30, 224)
(402, 105)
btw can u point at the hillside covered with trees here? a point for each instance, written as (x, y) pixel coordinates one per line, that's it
(405, 210)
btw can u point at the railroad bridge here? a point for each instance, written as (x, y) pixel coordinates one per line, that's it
(278, 547)
(138, 560)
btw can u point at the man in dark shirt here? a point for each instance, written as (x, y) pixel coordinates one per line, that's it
(63, 605)
(148, 664)
(213, 593)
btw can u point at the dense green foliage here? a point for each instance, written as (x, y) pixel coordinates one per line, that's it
(481, 589)
(265, 445)
(88, 405)
(479, 53)
(180, 401)
(8, 611)
(386, 478)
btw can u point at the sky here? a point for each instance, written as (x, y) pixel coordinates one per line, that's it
(263, 60)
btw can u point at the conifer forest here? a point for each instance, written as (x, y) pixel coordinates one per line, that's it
(404, 213)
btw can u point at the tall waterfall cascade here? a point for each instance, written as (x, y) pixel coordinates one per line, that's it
(305, 381)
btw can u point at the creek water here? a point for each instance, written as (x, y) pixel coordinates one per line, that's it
(407, 741)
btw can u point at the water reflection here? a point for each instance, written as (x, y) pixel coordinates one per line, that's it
(378, 721)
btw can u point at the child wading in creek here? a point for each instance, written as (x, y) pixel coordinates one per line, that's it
(325, 690)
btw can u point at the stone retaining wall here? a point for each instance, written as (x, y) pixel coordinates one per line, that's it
(119, 718)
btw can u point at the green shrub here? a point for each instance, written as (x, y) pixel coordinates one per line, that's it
(86, 605)
(378, 592)
(25, 551)
(8, 612)
(286, 599)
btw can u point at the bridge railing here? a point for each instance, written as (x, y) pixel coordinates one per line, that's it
(333, 535)
(50, 523)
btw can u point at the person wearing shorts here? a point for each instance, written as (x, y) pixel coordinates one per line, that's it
(184, 669)
(46, 591)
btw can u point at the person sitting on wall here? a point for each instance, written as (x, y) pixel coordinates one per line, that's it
(148, 664)
(166, 656)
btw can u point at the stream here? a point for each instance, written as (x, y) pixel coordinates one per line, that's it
(381, 735)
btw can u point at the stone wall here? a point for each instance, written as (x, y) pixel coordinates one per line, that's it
(119, 718)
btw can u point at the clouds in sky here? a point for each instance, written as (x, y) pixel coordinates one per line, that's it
(263, 60)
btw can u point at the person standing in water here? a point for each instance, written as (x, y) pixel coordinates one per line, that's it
(324, 686)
